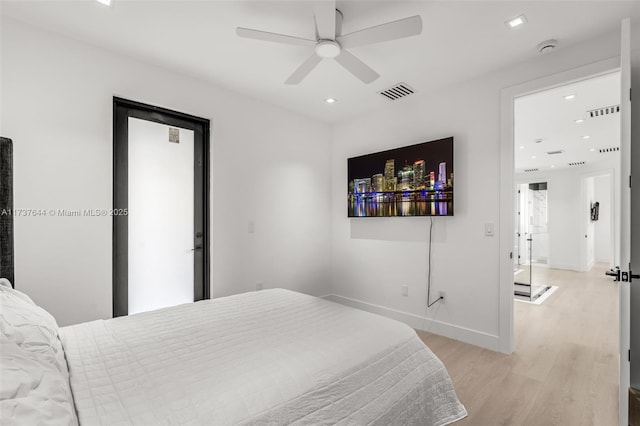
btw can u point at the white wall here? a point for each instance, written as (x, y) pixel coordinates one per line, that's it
(269, 165)
(374, 257)
(603, 237)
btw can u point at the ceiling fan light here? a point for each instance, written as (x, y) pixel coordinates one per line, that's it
(327, 49)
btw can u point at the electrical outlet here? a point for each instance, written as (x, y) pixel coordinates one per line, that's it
(259, 286)
(405, 290)
(443, 296)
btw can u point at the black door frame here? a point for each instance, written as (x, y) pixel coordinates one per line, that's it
(122, 110)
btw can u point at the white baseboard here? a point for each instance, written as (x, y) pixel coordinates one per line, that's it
(565, 266)
(473, 337)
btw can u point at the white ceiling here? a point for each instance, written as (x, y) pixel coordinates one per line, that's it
(547, 115)
(460, 40)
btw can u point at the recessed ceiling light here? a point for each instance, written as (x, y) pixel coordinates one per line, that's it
(553, 167)
(105, 2)
(521, 146)
(569, 97)
(586, 137)
(592, 150)
(579, 120)
(330, 100)
(516, 22)
(533, 156)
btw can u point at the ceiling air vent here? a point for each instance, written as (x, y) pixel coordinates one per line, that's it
(600, 112)
(398, 91)
(560, 151)
(578, 163)
(606, 150)
(531, 170)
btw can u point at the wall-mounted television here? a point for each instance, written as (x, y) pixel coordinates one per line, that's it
(415, 180)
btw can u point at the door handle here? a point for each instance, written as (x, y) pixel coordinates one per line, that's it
(198, 247)
(615, 273)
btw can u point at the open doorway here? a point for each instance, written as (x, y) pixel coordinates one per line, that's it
(161, 208)
(618, 304)
(566, 169)
(566, 157)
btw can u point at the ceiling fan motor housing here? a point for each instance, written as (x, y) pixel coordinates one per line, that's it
(327, 49)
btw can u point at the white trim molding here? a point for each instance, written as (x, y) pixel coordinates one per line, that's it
(473, 337)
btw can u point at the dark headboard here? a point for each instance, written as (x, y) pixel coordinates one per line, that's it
(6, 210)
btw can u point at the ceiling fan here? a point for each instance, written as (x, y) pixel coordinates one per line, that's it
(331, 44)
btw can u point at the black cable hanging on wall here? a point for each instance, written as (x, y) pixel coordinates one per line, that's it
(429, 302)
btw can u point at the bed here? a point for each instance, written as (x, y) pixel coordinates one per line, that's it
(269, 357)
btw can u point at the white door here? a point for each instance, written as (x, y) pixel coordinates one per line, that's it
(161, 215)
(625, 218)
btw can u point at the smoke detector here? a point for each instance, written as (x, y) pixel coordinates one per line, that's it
(547, 45)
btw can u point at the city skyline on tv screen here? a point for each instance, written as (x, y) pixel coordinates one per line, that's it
(415, 180)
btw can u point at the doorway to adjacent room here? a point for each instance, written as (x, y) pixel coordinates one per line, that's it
(161, 208)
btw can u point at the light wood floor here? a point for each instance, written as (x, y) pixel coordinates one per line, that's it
(564, 370)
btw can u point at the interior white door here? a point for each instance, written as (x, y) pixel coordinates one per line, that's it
(517, 225)
(160, 216)
(625, 218)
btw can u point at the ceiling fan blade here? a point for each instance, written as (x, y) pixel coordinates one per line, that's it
(356, 67)
(401, 28)
(325, 14)
(304, 69)
(273, 37)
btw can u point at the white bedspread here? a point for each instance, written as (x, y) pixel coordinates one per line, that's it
(267, 357)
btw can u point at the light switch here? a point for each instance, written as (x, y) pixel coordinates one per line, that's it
(489, 229)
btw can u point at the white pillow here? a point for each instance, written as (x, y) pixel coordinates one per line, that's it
(34, 379)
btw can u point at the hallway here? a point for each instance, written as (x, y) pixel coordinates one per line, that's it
(564, 370)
